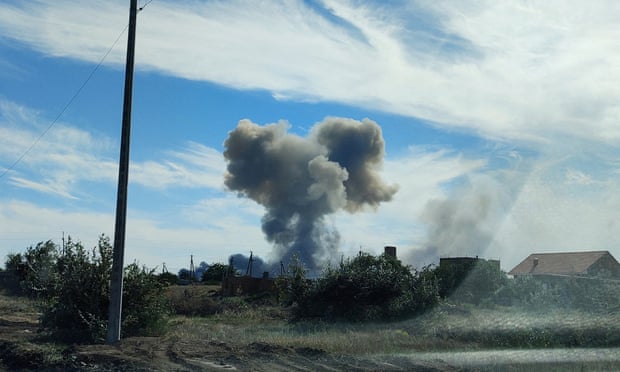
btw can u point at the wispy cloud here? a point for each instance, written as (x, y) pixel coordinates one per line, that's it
(46, 187)
(67, 157)
(502, 69)
(196, 166)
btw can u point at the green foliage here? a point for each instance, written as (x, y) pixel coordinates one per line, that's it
(424, 290)
(215, 273)
(144, 303)
(186, 276)
(13, 261)
(75, 289)
(76, 305)
(35, 267)
(470, 281)
(294, 288)
(366, 288)
(536, 293)
(168, 279)
(195, 300)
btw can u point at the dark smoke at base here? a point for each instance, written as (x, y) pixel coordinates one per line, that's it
(241, 264)
(299, 180)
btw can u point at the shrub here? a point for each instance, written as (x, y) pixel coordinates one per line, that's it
(144, 303)
(76, 303)
(470, 282)
(192, 301)
(75, 288)
(167, 278)
(365, 288)
(294, 288)
(581, 293)
(35, 267)
(215, 273)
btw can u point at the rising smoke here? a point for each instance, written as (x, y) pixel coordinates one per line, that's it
(301, 180)
(465, 222)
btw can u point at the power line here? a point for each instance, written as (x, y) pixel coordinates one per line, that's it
(144, 6)
(64, 109)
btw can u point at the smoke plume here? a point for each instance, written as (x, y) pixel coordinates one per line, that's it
(301, 180)
(465, 223)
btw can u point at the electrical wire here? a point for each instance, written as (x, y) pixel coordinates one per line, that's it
(144, 6)
(71, 100)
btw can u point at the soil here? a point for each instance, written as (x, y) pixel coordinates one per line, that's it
(22, 347)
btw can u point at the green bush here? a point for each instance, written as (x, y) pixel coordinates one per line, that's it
(35, 267)
(167, 278)
(75, 286)
(215, 273)
(364, 288)
(470, 282)
(145, 305)
(293, 289)
(599, 295)
(192, 301)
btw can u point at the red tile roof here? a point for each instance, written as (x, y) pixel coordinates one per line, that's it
(568, 263)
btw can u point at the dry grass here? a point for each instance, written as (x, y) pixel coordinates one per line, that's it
(18, 308)
(445, 328)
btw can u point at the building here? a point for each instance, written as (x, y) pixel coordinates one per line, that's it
(581, 264)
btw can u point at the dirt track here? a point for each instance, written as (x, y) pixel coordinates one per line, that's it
(21, 348)
(155, 354)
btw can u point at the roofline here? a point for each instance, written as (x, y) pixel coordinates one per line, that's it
(573, 252)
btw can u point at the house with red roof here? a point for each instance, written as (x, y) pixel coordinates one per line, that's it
(581, 264)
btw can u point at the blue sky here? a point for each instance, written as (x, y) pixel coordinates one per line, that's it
(500, 121)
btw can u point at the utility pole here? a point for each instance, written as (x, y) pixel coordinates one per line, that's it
(116, 280)
(192, 270)
(248, 270)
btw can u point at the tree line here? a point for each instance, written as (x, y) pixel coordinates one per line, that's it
(73, 287)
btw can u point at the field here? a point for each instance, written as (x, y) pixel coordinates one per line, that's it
(245, 334)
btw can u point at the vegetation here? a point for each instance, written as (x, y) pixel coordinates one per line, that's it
(427, 308)
(167, 278)
(363, 288)
(381, 288)
(483, 310)
(215, 273)
(73, 289)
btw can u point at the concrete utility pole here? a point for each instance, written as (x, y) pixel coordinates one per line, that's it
(116, 281)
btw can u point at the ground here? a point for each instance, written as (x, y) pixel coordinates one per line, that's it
(260, 343)
(22, 347)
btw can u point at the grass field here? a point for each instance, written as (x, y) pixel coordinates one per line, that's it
(444, 328)
(252, 334)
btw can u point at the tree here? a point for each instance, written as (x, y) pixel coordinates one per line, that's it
(34, 267)
(363, 288)
(215, 273)
(167, 278)
(185, 274)
(294, 288)
(470, 282)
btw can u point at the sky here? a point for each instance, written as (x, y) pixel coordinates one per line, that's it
(499, 123)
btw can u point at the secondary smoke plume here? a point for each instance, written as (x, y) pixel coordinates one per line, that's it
(301, 180)
(464, 224)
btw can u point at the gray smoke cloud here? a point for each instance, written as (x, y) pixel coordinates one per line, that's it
(464, 223)
(301, 180)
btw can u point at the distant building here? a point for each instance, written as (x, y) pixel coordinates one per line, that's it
(582, 264)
